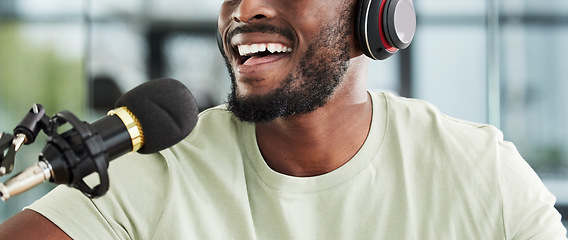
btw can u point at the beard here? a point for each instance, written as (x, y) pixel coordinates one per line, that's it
(309, 87)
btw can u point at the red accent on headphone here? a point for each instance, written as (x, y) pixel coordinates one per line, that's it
(386, 43)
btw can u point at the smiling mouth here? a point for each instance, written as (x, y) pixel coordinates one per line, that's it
(258, 53)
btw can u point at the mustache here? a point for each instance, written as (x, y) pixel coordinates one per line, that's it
(261, 28)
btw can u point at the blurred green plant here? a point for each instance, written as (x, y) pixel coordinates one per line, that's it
(34, 74)
(31, 75)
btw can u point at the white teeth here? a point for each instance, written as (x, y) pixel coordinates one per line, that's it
(271, 47)
(261, 47)
(244, 49)
(254, 48)
(249, 49)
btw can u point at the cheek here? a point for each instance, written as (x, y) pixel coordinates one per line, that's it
(316, 17)
(225, 16)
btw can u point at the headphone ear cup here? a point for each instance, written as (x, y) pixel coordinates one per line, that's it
(360, 26)
(400, 23)
(369, 20)
(377, 21)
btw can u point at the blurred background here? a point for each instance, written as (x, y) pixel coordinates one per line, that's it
(502, 62)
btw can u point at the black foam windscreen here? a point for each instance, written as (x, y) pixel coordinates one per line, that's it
(166, 110)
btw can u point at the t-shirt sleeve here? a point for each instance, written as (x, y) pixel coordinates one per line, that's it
(129, 210)
(74, 213)
(528, 206)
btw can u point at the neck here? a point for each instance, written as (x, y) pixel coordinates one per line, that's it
(323, 140)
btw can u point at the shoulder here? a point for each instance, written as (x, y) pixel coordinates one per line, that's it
(434, 145)
(421, 118)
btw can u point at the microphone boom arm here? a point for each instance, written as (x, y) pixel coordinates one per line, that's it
(25, 180)
(7, 153)
(25, 133)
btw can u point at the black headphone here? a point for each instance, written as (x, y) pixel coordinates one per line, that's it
(382, 27)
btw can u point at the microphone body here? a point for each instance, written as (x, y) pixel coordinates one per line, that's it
(87, 148)
(115, 136)
(163, 108)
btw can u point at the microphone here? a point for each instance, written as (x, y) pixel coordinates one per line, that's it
(149, 118)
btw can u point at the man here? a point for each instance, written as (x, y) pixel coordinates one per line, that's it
(310, 155)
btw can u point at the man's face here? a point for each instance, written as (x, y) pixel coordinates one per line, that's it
(284, 57)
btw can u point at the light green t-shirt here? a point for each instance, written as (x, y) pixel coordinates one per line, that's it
(419, 175)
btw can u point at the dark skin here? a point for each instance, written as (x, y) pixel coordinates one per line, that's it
(299, 145)
(30, 225)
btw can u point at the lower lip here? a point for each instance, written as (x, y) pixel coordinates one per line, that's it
(259, 65)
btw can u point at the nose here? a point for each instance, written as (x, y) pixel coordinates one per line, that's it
(253, 10)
